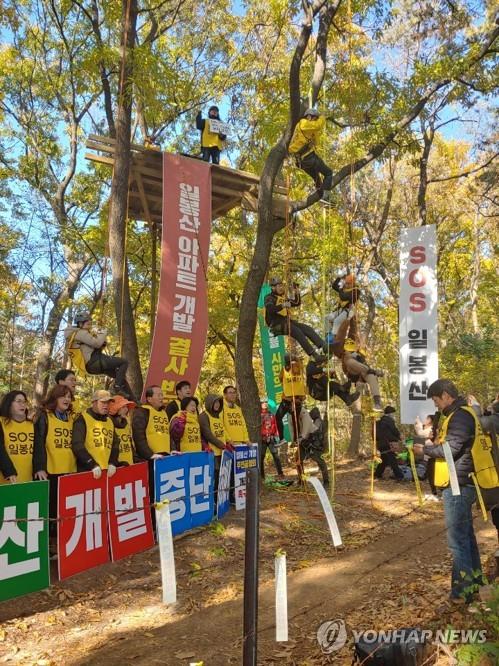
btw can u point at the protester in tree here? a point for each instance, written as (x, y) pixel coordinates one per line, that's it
(270, 436)
(91, 346)
(119, 410)
(323, 387)
(66, 377)
(388, 439)
(311, 442)
(303, 146)
(150, 426)
(279, 318)
(94, 441)
(232, 416)
(183, 390)
(456, 427)
(211, 142)
(348, 295)
(185, 431)
(16, 438)
(213, 431)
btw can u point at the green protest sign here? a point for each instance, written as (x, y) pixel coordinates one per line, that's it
(24, 558)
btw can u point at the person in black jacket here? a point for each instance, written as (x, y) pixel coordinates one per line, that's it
(279, 318)
(183, 390)
(461, 539)
(387, 436)
(319, 384)
(211, 142)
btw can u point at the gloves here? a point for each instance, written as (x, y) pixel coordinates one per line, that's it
(156, 456)
(97, 472)
(111, 470)
(286, 304)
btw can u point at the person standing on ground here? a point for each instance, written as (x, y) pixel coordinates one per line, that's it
(66, 377)
(150, 426)
(17, 436)
(183, 390)
(388, 438)
(233, 419)
(119, 411)
(270, 436)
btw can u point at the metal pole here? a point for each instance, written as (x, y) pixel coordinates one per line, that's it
(250, 619)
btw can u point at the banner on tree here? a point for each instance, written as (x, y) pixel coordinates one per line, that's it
(418, 321)
(182, 312)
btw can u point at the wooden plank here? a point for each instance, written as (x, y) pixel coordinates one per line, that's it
(145, 205)
(99, 158)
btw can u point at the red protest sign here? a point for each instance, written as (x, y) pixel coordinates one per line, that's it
(130, 524)
(82, 528)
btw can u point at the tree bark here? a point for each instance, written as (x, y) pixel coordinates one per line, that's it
(119, 202)
(428, 135)
(475, 276)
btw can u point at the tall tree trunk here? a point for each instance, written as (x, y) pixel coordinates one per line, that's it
(428, 135)
(475, 276)
(119, 202)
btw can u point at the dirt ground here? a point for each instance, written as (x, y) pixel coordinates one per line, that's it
(393, 571)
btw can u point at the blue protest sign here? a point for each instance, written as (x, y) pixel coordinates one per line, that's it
(223, 502)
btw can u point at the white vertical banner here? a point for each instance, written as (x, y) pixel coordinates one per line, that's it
(418, 321)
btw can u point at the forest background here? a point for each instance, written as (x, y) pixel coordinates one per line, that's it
(60, 69)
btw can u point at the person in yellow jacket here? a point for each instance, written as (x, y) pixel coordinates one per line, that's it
(233, 419)
(151, 426)
(211, 142)
(119, 409)
(17, 436)
(185, 431)
(303, 146)
(94, 441)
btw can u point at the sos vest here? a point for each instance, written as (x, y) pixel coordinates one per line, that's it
(293, 383)
(191, 439)
(234, 424)
(126, 443)
(157, 431)
(60, 457)
(18, 439)
(217, 428)
(481, 452)
(99, 439)
(210, 139)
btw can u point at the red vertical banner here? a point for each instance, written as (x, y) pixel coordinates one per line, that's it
(82, 528)
(182, 314)
(130, 524)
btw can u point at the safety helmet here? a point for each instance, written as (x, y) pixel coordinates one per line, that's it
(82, 317)
(349, 345)
(274, 281)
(311, 112)
(349, 280)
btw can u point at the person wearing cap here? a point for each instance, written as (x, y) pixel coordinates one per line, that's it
(303, 146)
(348, 295)
(90, 345)
(185, 431)
(183, 390)
(150, 426)
(211, 142)
(388, 438)
(119, 409)
(279, 318)
(66, 377)
(94, 440)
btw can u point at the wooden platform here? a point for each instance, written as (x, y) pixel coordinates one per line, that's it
(230, 188)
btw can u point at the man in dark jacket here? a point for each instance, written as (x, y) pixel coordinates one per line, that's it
(461, 539)
(387, 436)
(183, 390)
(317, 384)
(279, 318)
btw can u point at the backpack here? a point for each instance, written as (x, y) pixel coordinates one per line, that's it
(76, 356)
(407, 648)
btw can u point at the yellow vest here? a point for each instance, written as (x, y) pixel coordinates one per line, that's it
(157, 431)
(126, 443)
(217, 428)
(234, 424)
(60, 457)
(343, 304)
(481, 452)
(293, 383)
(77, 407)
(99, 439)
(210, 139)
(306, 136)
(18, 439)
(191, 439)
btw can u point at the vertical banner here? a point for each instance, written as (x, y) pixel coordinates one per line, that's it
(130, 524)
(245, 456)
(82, 528)
(24, 557)
(418, 321)
(182, 314)
(223, 501)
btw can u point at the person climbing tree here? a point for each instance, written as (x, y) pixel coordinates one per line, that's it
(348, 295)
(211, 142)
(320, 384)
(302, 147)
(280, 321)
(79, 338)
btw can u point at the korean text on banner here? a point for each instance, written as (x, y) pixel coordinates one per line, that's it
(130, 524)
(82, 533)
(272, 352)
(186, 480)
(245, 456)
(24, 558)
(418, 321)
(182, 312)
(223, 501)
